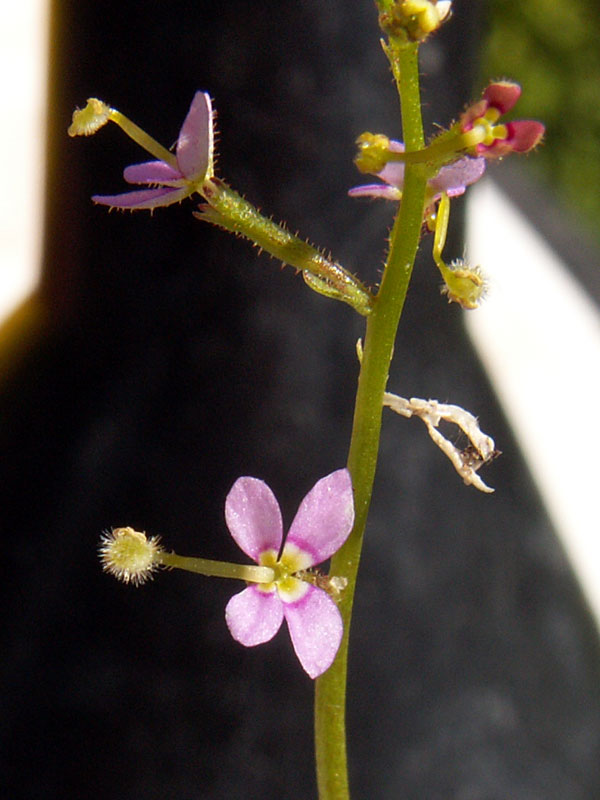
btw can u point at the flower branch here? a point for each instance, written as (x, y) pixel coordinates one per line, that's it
(476, 134)
(191, 170)
(284, 582)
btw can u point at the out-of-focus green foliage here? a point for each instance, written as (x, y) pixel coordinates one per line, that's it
(552, 48)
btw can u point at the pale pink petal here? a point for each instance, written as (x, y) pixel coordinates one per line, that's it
(455, 177)
(145, 198)
(152, 172)
(325, 517)
(316, 630)
(376, 190)
(393, 172)
(254, 616)
(253, 517)
(195, 142)
(396, 146)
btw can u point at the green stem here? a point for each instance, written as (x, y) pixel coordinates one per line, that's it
(330, 689)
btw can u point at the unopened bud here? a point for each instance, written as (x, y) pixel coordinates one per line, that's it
(414, 20)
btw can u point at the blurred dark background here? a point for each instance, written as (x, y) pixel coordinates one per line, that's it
(166, 358)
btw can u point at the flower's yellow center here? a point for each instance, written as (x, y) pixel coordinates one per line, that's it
(289, 587)
(486, 130)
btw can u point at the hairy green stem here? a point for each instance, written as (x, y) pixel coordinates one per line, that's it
(330, 689)
(231, 211)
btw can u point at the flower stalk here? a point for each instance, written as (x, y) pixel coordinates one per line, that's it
(216, 569)
(174, 177)
(285, 584)
(132, 557)
(476, 134)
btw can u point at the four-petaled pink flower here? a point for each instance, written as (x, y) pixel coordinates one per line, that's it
(191, 165)
(321, 525)
(452, 179)
(499, 140)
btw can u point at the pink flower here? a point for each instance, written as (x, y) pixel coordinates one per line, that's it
(193, 165)
(452, 179)
(499, 140)
(321, 525)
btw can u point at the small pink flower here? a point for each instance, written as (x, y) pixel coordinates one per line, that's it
(518, 137)
(321, 525)
(452, 179)
(194, 158)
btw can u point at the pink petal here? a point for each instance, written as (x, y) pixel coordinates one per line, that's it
(524, 135)
(316, 630)
(376, 190)
(195, 142)
(502, 95)
(253, 517)
(145, 198)
(455, 177)
(253, 616)
(152, 172)
(396, 146)
(393, 172)
(325, 517)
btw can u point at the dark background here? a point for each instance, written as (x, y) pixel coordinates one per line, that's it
(172, 359)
